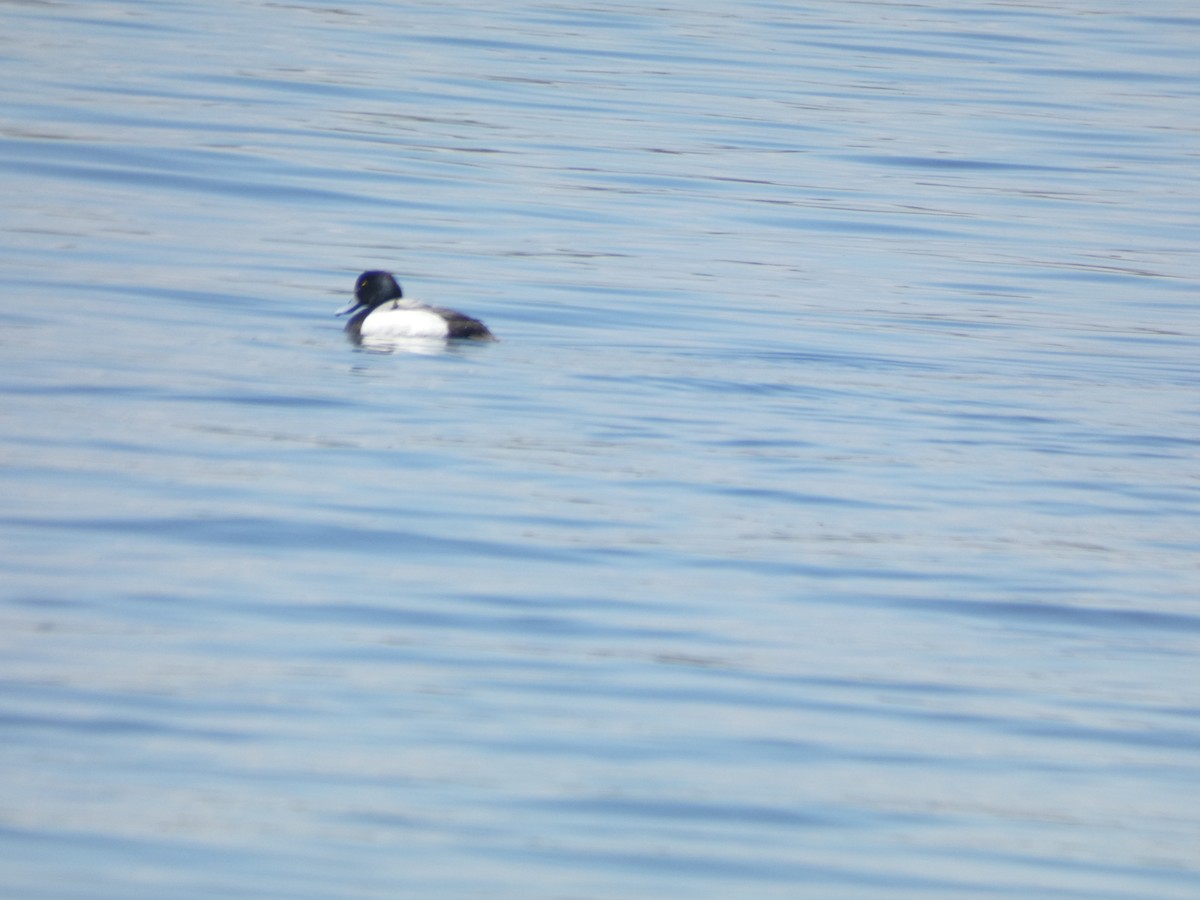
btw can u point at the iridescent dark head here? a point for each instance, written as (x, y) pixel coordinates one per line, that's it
(373, 289)
(376, 288)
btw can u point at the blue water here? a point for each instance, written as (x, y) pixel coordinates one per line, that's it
(826, 522)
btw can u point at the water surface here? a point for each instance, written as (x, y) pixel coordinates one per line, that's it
(823, 524)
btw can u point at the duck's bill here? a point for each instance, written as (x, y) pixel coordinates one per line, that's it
(348, 308)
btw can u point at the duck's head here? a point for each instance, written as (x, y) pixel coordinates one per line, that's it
(373, 289)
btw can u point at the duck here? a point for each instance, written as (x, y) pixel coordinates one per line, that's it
(380, 312)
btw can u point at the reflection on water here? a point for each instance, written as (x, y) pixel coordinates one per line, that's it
(824, 521)
(419, 346)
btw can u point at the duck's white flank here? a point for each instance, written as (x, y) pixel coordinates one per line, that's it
(392, 321)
